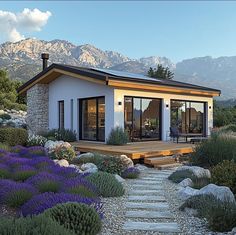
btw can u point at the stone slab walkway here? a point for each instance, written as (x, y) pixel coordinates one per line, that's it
(147, 208)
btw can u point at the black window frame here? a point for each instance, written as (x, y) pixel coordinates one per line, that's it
(60, 127)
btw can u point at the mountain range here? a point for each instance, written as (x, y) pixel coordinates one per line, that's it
(22, 60)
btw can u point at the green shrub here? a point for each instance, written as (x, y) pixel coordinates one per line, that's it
(61, 134)
(36, 140)
(13, 136)
(37, 225)
(214, 150)
(77, 217)
(228, 128)
(199, 183)
(221, 216)
(178, 176)
(107, 184)
(118, 136)
(225, 174)
(64, 152)
(5, 116)
(5, 147)
(96, 158)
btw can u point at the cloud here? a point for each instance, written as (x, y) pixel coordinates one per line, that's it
(12, 25)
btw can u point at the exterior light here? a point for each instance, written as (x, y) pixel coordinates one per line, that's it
(119, 103)
(209, 107)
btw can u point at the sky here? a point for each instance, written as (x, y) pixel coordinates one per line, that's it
(175, 29)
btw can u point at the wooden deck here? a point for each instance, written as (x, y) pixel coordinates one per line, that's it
(135, 150)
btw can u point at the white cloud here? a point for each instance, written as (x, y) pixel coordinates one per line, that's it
(12, 25)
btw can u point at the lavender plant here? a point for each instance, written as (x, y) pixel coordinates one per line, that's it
(23, 172)
(130, 173)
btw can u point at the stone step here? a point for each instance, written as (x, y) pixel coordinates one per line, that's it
(147, 205)
(147, 186)
(156, 227)
(149, 182)
(146, 192)
(149, 214)
(150, 177)
(146, 198)
(159, 160)
(167, 166)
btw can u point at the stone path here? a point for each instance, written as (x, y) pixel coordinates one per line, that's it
(147, 208)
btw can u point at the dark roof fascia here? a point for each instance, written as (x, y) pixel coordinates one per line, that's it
(175, 84)
(80, 71)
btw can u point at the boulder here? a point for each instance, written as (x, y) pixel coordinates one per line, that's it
(127, 162)
(222, 193)
(62, 162)
(187, 192)
(85, 155)
(196, 170)
(186, 182)
(141, 167)
(120, 179)
(89, 168)
(75, 167)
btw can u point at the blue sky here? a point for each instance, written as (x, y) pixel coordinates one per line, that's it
(177, 30)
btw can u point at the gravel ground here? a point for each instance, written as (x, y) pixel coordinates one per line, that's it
(114, 218)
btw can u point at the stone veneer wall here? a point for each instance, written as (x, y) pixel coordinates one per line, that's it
(37, 108)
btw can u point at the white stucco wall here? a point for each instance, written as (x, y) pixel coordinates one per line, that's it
(119, 115)
(67, 88)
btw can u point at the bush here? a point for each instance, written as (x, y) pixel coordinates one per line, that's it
(13, 136)
(218, 148)
(78, 218)
(15, 194)
(130, 173)
(118, 136)
(178, 176)
(64, 152)
(36, 225)
(4, 171)
(199, 183)
(36, 140)
(46, 182)
(107, 184)
(225, 174)
(4, 147)
(23, 172)
(228, 128)
(40, 203)
(61, 134)
(80, 186)
(221, 216)
(5, 116)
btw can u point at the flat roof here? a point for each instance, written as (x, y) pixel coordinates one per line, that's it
(106, 74)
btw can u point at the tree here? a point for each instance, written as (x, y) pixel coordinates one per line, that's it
(160, 72)
(8, 94)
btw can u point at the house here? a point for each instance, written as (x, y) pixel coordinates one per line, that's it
(92, 101)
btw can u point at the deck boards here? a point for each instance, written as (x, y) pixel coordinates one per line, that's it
(135, 150)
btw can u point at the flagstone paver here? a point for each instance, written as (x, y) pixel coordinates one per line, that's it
(147, 208)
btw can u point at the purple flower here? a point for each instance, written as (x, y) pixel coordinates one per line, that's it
(80, 186)
(15, 194)
(15, 161)
(23, 172)
(46, 182)
(17, 149)
(67, 172)
(30, 152)
(3, 152)
(130, 173)
(41, 202)
(41, 163)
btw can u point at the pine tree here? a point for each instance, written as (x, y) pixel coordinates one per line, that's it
(160, 72)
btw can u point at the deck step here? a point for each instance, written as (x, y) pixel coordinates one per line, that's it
(167, 166)
(160, 160)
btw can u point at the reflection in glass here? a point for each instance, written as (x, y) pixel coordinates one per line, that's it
(136, 118)
(101, 118)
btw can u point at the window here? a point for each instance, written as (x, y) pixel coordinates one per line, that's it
(71, 114)
(188, 116)
(92, 119)
(142, 118)
(61, 114)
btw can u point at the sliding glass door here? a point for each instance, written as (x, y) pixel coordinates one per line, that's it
(188, 116)
(142, 118)
(92, 119)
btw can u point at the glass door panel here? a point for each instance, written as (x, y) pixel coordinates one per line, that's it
(136, 118)
(101, 119)
(128, 115)
(196, 117)
(150, 119)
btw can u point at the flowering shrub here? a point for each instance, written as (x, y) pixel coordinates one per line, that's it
(67, 172)
(41, 202)
(64, 152)
(15, 194)
(61, 134)
(76, 217)
(36, 140)
(4, 171)
(23, 172)
(131, 173)
(80, 186)
(46, 182)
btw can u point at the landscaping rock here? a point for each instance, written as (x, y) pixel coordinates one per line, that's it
(186, 182)
(187, 192)
(196, 170)
(120, 179)
(89, 168)
(52, 145)
(222, 193)
(62, 162)
(141, 167)
(86, 155)
(78, 170)
(127, 162)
